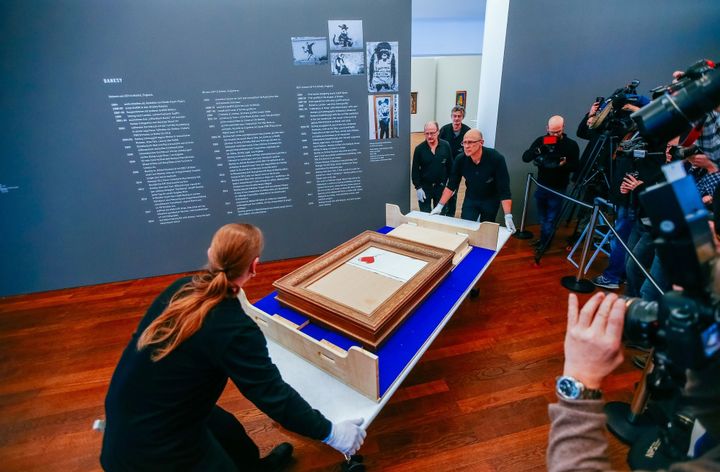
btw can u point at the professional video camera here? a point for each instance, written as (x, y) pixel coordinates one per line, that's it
(637, 148)
(611, 116)
(547, 155)
(681, 104)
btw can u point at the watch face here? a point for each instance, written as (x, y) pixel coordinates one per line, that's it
(568, 388)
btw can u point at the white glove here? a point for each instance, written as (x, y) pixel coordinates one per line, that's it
(509, 224)
(346, 436)
(438, 208)
(421, 195)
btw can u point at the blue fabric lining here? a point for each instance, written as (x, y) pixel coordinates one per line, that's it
(401, 346)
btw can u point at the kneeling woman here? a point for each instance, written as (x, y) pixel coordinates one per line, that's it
(160, 407)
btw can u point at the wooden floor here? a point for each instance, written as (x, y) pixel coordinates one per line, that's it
(476, 401)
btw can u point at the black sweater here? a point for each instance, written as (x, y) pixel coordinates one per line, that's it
(487, 180)
(556, 178)
(156, 411)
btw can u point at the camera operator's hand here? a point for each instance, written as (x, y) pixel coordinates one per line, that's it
(593, 346)
(629, 184)
(702, 161)
(594, 109)
(630, 107)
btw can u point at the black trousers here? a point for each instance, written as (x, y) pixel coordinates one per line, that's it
(480, 210)
(231, 447)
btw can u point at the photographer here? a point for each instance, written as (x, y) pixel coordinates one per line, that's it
(593, 350)
(556, 156)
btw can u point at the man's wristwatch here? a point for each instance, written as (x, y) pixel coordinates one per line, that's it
(569, 388)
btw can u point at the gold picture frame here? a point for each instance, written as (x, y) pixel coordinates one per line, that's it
(361, 303)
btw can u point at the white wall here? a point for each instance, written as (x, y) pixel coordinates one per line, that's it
(448, 36)
(436, 79)
(423, 81)
(457, 73)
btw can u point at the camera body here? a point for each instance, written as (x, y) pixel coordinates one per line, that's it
(547, 155)
(679, 153)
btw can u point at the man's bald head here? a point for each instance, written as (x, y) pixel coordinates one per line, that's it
(473, 135)
(556, 125)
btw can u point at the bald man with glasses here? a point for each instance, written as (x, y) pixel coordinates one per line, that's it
(487, 182)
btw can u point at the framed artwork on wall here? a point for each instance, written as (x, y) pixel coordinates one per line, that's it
(461, 98)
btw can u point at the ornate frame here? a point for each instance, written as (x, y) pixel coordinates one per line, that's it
(368, 329)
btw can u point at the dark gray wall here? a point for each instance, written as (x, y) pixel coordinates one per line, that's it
(561, 54)
(74, 203)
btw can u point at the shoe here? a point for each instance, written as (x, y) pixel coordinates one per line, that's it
(641, 345)
(639, 361)
(278, 459)
(604, 282)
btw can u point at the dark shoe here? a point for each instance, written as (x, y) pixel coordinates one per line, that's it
(643, 346)
(278, 459)
(639, 361)
(604, 282)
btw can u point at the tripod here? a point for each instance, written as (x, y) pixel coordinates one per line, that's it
(592, 172)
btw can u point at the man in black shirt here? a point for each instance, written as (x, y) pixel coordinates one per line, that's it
(454, 133)
(486, 179)
(432, 162)
(556, 156)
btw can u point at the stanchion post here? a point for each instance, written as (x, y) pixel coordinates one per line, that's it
(523, 234)
(627, 421)
(577, 283)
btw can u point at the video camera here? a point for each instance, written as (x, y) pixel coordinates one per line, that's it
(546, 155)
(611, 116)
(679, 153)
(684, 326)
(681, 103)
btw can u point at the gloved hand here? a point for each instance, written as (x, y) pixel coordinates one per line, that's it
(346, 436)
(509, 223)
(438, 208)
(421, 195)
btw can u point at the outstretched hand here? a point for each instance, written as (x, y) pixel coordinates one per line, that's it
(593, 347)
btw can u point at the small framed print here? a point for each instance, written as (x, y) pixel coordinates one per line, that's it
(367, 286)
(461, 98)
(413, 103)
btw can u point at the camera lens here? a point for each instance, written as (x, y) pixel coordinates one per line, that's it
(641, 320)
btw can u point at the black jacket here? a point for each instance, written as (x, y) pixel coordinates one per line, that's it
(556, 178)
(156, 411)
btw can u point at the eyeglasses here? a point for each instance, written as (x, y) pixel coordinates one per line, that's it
(430, 133)
(467, 143)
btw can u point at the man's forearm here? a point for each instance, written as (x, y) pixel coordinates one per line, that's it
(447, 193)
(507, 206)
